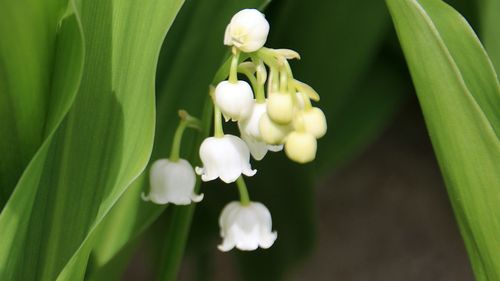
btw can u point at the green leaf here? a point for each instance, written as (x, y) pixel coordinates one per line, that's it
(490, 22)
(101, 146)
(33, 97)
(459, 93)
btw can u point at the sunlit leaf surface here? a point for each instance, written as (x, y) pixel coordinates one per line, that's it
(460, 98)
(101, 145)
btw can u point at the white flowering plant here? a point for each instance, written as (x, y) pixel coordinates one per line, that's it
(275, 102)
(102, 167)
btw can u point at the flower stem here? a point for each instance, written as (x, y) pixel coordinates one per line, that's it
(260, 95)
(186, 121)
(218, 131)
(257, 88)
(268, 56)
(176, 144)
(283, 81)
(181, 216)
(289, 73)
(233, 72)
(273, 81)
(250, 76)
(242, 189)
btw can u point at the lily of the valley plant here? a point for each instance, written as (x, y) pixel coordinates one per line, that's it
(273, 111)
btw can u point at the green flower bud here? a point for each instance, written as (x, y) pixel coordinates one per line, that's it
(312, 121)
(272, 132)
(301, 147)
(280, 108)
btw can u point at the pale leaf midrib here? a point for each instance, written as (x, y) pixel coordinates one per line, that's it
(454, 66)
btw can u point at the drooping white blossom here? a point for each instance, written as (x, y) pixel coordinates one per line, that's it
(247, 30)
(172, 182)
(235, 100)
(250, 133)
(259, 149)
(224, 157)
(246, 227)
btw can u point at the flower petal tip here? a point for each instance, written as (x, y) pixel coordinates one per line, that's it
(197, 197)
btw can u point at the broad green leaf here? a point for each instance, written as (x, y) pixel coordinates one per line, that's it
(490, 22)
(33, 98)
(66, 71)
(459, 94)
(103, 143)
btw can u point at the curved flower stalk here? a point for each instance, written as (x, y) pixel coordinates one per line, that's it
(173, 180)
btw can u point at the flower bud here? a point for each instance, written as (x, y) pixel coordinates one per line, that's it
(300, 100)
(247, 30)
(235, 100)
(312, 120)
(246, 227)
(172, 182)
(271, 132)
(301, 147)
(280, 107)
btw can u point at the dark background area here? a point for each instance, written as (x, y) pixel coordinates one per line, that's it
(384, 216)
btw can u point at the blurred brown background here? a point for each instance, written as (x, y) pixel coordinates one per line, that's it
(384, 216)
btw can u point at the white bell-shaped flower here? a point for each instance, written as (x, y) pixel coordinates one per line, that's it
(172, 182)
(250, 125)
(246, 227)
(235, 100)
(224, 157)
(259, 149)
(247, 30)
(250, 133)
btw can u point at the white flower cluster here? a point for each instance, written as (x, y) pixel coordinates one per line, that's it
(273, 112)
(285, 115)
